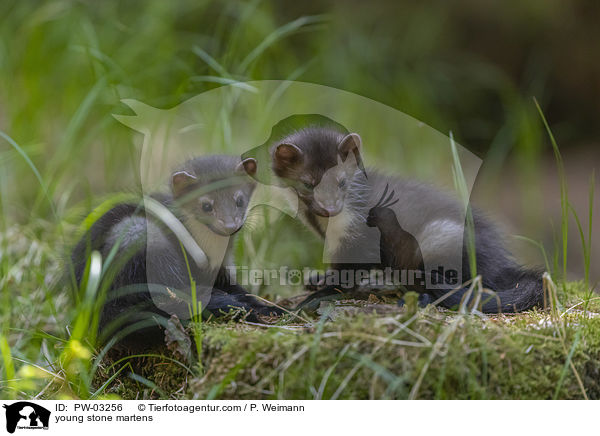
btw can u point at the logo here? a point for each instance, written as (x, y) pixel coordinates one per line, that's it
(407, 226)
(26, 415)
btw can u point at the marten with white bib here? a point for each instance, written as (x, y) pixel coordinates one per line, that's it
(151, 263)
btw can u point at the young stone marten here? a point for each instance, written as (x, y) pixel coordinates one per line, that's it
(152, 267)
(323, 164)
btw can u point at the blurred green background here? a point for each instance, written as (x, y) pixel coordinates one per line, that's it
(466, 66)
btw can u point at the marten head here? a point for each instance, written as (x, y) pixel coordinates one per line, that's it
(319, 164)
(215, 190)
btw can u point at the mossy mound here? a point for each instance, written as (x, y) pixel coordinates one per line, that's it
(361, 350)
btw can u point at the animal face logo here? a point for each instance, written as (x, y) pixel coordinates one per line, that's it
(26, 415)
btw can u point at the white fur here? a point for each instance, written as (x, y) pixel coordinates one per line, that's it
(213, 245)
(343, 225)
(441, 235)
(338, 228)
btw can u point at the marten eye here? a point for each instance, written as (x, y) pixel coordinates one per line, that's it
(342, 183)
(308, 186)
(207, 207)
(239, 202)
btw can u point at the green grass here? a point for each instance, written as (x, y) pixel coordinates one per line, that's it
(432, 354)
(66, 66)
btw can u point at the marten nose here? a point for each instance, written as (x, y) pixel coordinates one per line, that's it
(331, 209)
(229, 226)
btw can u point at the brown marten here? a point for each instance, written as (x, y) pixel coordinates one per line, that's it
(322, 163)
(209, 196)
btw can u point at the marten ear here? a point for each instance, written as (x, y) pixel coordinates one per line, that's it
(247, 166)
(287, 155)
(180, 181)
(352, 143)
